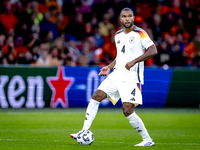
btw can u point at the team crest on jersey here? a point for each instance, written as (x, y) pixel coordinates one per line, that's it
(131, 40)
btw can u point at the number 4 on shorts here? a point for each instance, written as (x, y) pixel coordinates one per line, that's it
(133, 93)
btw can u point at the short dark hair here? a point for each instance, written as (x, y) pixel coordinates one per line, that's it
(126, 9)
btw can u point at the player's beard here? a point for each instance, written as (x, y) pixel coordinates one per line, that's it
(128, 27)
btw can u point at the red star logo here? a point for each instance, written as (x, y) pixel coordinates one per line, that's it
(59, 86)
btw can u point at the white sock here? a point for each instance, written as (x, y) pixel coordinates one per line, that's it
(90, 113)
(138, 125)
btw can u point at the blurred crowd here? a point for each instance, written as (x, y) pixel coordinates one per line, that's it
(81, 32)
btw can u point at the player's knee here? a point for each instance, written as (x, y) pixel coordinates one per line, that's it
(127, 112)
(128, 109)
(99, 95)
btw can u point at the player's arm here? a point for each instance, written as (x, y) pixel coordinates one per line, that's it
(105, 70)
(151, 52)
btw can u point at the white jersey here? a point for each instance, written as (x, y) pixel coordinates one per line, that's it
(130, 46)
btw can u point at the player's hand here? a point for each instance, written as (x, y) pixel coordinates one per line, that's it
(104, 71)
(129, 65)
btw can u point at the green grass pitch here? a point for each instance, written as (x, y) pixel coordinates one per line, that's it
(49, 129)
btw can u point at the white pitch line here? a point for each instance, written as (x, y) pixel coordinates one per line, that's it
(107, 142)
(8, 139)
(26, 140)
(195, 144)
(179, 143)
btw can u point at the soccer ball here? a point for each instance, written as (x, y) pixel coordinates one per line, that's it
(85, 137)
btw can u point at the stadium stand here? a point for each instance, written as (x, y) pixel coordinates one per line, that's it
(80, 32)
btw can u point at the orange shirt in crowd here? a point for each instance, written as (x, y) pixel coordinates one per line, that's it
(64, 23)
(190, 51)
(53, 3)
(5, 48)
(110, 48)
(21, 49)
(8, 21)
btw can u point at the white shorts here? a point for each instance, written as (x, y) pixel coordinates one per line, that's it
(116, 89)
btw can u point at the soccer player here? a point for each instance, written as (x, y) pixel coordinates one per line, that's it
(127, 76)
